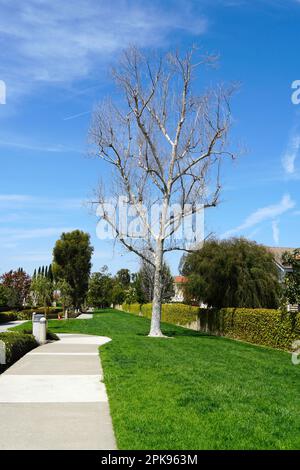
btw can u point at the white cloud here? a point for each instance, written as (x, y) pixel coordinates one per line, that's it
(275, 231)
(33, 256)
(58, 42)
(14, 198)
(23, 200)
(262, 214)
(74, 116)
(291, 153)
(37, 147)
(29, 234)
(253, 233)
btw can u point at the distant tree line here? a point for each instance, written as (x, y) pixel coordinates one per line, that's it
(105, 289)
(221, 273)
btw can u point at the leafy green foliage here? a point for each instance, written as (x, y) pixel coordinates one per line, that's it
(291, 281)
(72, 262)
(140, 296)
(123, 277)
(100, 290)
(105, 290)
(232, 273)
(42, 291)
(118, 294)
(65, 295)
(130, 295)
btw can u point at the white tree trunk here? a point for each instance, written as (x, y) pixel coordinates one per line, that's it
(155, 330)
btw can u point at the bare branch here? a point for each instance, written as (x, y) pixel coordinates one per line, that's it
(164, 143)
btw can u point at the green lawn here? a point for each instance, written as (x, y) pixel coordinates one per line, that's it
(193, 391)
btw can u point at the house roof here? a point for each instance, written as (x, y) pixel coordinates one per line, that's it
(277, 252)
(180, 279)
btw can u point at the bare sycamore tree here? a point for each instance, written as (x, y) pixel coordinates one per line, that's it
(165, 145)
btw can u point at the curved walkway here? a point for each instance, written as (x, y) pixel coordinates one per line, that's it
(85, 316)
(54, 398)
(5, 326)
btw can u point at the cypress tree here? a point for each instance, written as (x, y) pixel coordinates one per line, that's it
(50, 273)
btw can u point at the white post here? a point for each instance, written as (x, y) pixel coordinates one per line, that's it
(39, 327)
(2, 353)
(43, 330)
(35, 327)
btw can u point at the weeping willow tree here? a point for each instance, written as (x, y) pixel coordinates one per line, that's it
(232, 273)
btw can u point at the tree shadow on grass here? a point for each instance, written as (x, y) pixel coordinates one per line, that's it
(183, 332)
(190, 333)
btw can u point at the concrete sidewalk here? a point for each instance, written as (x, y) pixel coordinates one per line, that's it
(85, 316)
(5, 326)
(54, 398)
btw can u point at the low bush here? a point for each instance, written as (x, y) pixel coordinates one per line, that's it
(6, 317)
(17, 345)
(50, 335)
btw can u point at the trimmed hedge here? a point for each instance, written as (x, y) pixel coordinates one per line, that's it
(264, 327)
(132, 308)
(17, 345)
(259, 326)
(26, 314)
(6, 317)
(178, 314)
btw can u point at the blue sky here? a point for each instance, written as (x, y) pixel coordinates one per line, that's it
(55, 59)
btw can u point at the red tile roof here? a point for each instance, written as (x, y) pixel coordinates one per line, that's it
(180, 279)
(277, 252)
